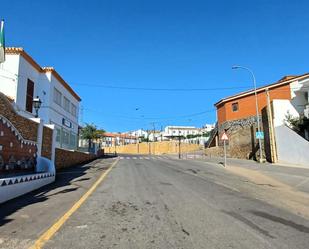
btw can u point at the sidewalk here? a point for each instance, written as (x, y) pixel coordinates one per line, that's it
(295, 177)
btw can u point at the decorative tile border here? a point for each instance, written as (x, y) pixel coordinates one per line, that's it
(15, 131)
(26, 178)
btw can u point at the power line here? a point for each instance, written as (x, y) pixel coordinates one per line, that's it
(108, 86)
(154, 118)
(160, 89)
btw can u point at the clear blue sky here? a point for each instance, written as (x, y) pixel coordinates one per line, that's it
(160, 44)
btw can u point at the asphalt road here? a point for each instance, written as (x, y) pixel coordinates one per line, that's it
(23, 219)
(154, 202)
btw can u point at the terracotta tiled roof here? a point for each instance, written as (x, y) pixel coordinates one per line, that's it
(28, 58)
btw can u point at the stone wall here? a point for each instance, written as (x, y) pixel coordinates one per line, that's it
(242, 142)
(67, 158)
(26, 127)
(18, 136)
(154, 148)
(215, 151)
(16, 154)
(47, 142)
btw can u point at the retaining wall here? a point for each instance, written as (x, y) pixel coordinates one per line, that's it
(67, 158)
(154, 148)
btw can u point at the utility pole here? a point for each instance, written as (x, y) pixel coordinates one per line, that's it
(154, 139)
(273, 149)
(148, 142)
(115, 152)
(179, 151)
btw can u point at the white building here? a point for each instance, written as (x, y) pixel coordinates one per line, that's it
(154, 136)
(22, 79)
(139, 133)
(116, 139)
(208, 127)
(173, 131)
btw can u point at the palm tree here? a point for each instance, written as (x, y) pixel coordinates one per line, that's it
(90, 132)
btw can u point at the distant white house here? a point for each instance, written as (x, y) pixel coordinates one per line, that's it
(208, 127)
(116, 139)
(189, 134)
(174, 131)
(138, 133)
(22, 79)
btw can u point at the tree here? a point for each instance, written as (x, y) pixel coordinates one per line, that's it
(293, 122)
(90, 133)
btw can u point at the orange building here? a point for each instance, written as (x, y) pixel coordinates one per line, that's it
(243, 105)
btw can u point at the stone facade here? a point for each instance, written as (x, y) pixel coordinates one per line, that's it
(67, 158)
(18, 136)
(26, 127)
(47, 142)
(16, 154)
(242, 142)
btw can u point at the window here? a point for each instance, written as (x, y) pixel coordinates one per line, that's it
(66, 104)
(58, 135)
(57, 97)
(73, 110)
(235, 107)
(65, 137)
(29, 95)
(72, 140)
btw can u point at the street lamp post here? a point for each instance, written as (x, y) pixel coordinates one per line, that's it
(256, 105)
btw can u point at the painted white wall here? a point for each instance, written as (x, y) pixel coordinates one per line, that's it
(8, 76)
(295, 152)
(155, 136)
(138, 133)
(208, 127)
(44, 84)
(58, 112)
(280, 109)
(15, 190)
(180, 130)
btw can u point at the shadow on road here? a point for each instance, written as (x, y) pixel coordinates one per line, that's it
(64, 177)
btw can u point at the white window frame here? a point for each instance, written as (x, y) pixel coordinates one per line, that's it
(68, 102)
(73, 110)
(57, 96)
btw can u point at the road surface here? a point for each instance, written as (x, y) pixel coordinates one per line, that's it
(158, 202)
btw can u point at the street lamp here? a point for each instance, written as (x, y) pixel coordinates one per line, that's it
(37, 105)
(256, 105)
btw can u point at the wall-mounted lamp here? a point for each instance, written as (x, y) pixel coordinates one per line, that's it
(37, 105)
